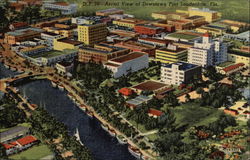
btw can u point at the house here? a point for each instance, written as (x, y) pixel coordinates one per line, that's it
(154, 113)
(125, 91)
(129, 63)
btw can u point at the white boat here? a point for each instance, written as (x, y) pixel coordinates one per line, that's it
(77, 135)
(60, 86)
(54, 84)
(135, 152)
(121, 139)
(105, 127)
(70, 95)
(83, 107)
(112, 132)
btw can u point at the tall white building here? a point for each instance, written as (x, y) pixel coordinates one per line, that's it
(131, 62)
(179, 73)
(207, 52)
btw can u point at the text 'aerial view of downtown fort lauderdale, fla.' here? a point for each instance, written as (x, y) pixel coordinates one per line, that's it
(124, 80)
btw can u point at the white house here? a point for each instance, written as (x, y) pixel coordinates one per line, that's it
(129, 63)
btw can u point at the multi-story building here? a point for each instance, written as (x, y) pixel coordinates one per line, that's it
(169, 15)
(154, 42)
(234, 25)
(179, 73)
(186, 36)
(181, 24)
(124, 33)
(148, 29)
(64, 67)
(137, 47)
(49, 38)
(22, 35)
(239, 56)
(108, 12)
(64, 7)
(207, 52)
(101, 53)
(129, 22)
(90, 20)
(164, 24)
(171, 54)
(212, 29)
(210, 16)
(65, 43)
(128, 63)
(91, 34)
(196, 21)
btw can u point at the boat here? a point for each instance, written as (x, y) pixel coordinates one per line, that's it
(77, 103)
(134, 151)
(77, 135)
(112, 132)
(54, 84)
(70, 95)
(83, 107)
(121, 139)
(60, 86)
(144, 158)
(105, 127)
(90, 114)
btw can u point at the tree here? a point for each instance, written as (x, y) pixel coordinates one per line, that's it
(188, 97)
(3, 152)
(199, 91)
(248, 124)
(171, 100)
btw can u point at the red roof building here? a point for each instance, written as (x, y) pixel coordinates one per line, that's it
(26, 140)
(18, 25)
(232, 68)
(154, 112)
(8, 146)
(125, 91)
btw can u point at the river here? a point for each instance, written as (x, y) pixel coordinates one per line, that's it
(57, 103)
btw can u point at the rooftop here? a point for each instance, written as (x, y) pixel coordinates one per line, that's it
(53, 53)
(69, 41)
(232, 67)
(25, 31)
(103, 48)
(50, 33)
(177, 50)
(155, 40)
(110, 10)
(155, 112)
(128, 57)
(26, 140)
(149, 86)
(194, 17)
(203, 10)
(184, 35)
(182, 65)
(138, 100)
(61, 3)
(14, 130)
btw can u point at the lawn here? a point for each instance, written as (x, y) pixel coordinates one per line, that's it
(34, 153)
(230, 9)
(195, 115)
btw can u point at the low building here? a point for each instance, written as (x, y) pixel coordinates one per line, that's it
(244, 36)
(171, 54)
(232, 68)
(18, 25)
(154, 113)
(49, 38)
(108, 12)
(151, 86)
(64, 67)
(179, 73)
(129, 63)
(196, 21)
(137, 47)
(184, 36)
(66, 43)
(13, 133)
(118, 39)
(64, 7)
(154, 42)
(148, 29)
(164, 24)
(129, 22)
(168, 15)
(90, 20)
(212, 29)
(50, 58)
(181, 24)
(125, 91)
(234, 25)
(137, 102)
(100, 53)
(124, 33)
(22, 35)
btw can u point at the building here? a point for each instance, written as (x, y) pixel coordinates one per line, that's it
(234, 25)
(125, 91)
(244, 36)
(13, 133)
(232, 68)
(65, 43)
(239, 56)
(148, 29)
(168, 15)
(50, 58)
(137, 102)
(164, 24)
(186, 36)
(90, 20)
(137, 47)
(212, 29)
(100, 53)
(151, 86)
(128, 22)
(181, 24)
(108, 12)
(196, 21)
(18, 25)
(64, 67)
(65, 8)
(210, 16)
(22, 35)
(179, 73)
(208, 52)
(171, 54)
(154, 113)
(124, 33)
(117, 38)
(154, 42)
(129, 63)
(91, 34)
(49, 38)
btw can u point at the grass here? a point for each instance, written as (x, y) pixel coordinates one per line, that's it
(34, 153)
(153, 137)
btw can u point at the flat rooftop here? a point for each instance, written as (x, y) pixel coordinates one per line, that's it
(128, 57)
(50, 33)
(110, 10)
(13, 130)
(24, 31)
(149, 86)
(53, 53)
(178, 49)
(107, 49)
(69, 41)
(183, 35)
(182, 65)
(194, 17)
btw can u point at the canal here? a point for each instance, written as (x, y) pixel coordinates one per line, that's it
(4, 72)
(57, 103)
